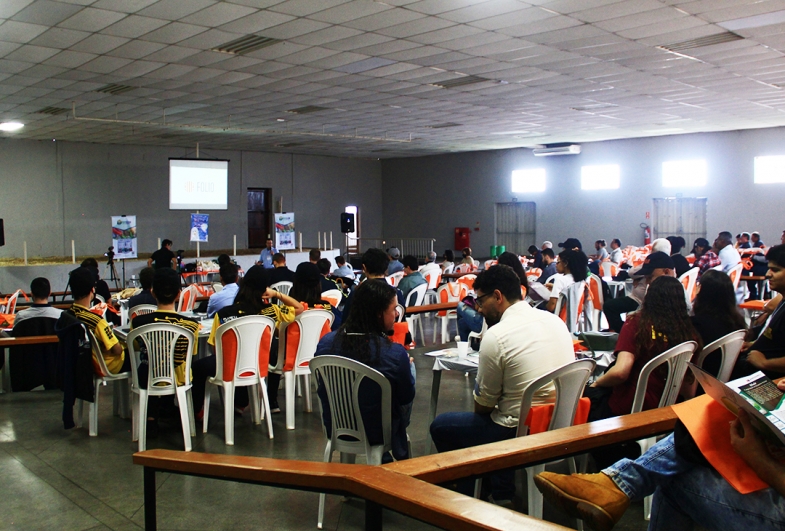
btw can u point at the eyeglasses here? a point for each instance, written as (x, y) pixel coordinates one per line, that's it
(479, 299)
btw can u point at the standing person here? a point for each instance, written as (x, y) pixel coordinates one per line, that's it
(225, 297)
(163, 257)
(166, 289)
(411, 276)
(705, 257)
(363, 337)
(146, 277)
(251, 299)
(314, 255)
(266, 256)
(759, 265)
(520, 345)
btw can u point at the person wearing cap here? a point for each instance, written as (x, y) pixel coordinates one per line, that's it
(252, 299)
(395, 265)
(655, 265)
(571, 244)
(705, 257)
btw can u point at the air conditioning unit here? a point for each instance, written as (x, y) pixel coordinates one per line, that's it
(552, 151)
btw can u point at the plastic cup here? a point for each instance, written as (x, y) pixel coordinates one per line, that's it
(463, 348)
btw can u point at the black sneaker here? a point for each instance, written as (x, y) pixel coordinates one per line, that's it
(274, 408)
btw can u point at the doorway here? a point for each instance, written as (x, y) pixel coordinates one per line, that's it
(259, 216)
(679, 216)
(516, 225)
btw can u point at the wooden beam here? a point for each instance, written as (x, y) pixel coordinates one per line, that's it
(431, 307)
(6, 342)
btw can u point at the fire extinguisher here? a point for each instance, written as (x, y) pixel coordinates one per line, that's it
(646, 234)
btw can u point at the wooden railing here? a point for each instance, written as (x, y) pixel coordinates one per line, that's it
(408, 487)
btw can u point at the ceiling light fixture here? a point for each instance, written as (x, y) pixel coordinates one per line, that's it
(11, 126)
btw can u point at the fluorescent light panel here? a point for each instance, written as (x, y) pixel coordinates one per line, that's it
(604, 177)
(769, 170)
(684, 173)
(11, 126)
(530, 180)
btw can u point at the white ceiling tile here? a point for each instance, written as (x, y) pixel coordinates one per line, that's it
(531, 15)
(134, 26)
(543, 26)
(218, 14)
(169, 54)
(69, 59)
(655, 16)
(384, 20)
(484, 10)
(8, 47)
(295, 28)
(137, 49)
(9, 8)
(175, 9)
(383, 48)
(32, 54)
(91, 19)
(434, 7)
(59, 38)
(302, 8)
(422, 25)
(104, 64)
(123, 6)
(330, 34)
(46, 12)
(171, 71)
(276, 51)
(97, 43)
(349, 11)
(174, 33)
(137, 69)
(20, 32)
(256, 23)
(618, 9)
(359, 41)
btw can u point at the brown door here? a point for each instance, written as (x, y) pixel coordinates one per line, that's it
(259, 216)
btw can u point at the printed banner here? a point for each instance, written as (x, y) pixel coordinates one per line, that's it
(124, 236)
(284, 231)
(199, 224)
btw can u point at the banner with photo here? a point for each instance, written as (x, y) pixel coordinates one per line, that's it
(199, 226)
(124, 237)
(284, 231)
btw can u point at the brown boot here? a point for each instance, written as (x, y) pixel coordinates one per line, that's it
(594, 498)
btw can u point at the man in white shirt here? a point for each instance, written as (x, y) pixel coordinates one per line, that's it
(225, 297)
(729, 257)
(520, 345)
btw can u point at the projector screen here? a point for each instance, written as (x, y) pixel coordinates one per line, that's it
(198, 184)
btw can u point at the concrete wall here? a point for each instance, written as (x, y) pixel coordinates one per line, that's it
(430, 196)
(53, 192)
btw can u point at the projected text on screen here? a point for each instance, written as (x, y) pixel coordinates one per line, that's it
(198, 184)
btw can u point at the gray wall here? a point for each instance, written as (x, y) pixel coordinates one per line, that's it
(430, 196)
(53, 192)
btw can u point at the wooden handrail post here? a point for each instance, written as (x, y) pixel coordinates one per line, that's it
(150, 523)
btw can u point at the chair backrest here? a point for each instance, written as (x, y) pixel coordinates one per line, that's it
(217, 287)
(450, 292)
(449, 269)
(333, 296)
(468, 280)
(676, 358)
(99, 364)
(160, 341)
(569, 381)
(735, 274)
(689, 280)
(416, 296)
(465, 268)
(99, 298)
(400, 313)
(141, 309)
(309, 325)
(242, 348)
(609, 269)
(433, 277)
(534, 272)
(595, 292)
(10, 305)
(341, 378)
(187, 299)
(394, 279)
(730, 347)
(490, 263)
(569, 305)
(283, 286)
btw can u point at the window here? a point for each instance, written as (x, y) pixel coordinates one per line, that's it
(769, 170)
(532, 180)
(684, 173)
(604, 177)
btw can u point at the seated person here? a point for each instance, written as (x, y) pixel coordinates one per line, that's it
(343, 270)
(280, 272)
(40, 289)
(536, 256)
(225, 297)
(146, 276)
(767, 353)
(448, 260)
(705, 257)
(600, 256)
(520, 345)
(374, 263)
(327, 283)
(680, 263)
(82, 282)
(166, 289)
(251, 300)
(467, 264)
(307, 289)
(411, 276)
(548, 265)
(688, 492)
(363, 337)
(431, 267)
(314, 255)
(572, 267)
(394, 266)
(615, 255)
(102, 289)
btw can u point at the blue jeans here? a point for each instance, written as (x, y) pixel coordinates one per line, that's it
(469, 320)
(685, 493)
(454, 431)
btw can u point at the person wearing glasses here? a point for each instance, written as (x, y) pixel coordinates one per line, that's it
(520, 345)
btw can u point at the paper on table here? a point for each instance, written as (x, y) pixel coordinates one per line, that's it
(445, 352)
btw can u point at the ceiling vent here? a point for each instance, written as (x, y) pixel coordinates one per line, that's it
(115, 89)
(54, 111)
(593, 107)
(460, 82)
(709, 40)
(442, 126)
(308, 109)
(553, 151)
(247, 44)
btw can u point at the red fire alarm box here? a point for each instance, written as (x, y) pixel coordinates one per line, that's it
(461, 238)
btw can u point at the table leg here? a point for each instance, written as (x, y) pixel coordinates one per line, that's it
(437, 380)
(373, 516)
(150, 523)
(5, 383)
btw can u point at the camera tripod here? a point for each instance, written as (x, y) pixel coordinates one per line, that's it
(113, 276)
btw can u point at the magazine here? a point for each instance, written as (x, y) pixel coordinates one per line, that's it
(756, 394)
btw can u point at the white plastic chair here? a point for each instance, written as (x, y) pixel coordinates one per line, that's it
(400, 313)
(415, 298)
(468, 279)
(160, 339)
(253, 336)
(689, 280)
(120, 389)
(570, 306)
(448, 270)
(333, 296)
(594, 303)
(450, 292)
(187, 299)
(569, 380)
(217, 287)
(141, 309)
(394, 279)
(341, 378)
(10, 305)
(283, 286)
(735, 274)
(311, 324)
(433, 276)
(730, 347)
(676, 358)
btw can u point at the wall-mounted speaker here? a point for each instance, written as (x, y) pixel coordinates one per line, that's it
(347, 222)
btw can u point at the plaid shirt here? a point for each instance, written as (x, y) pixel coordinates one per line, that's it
(707, 261)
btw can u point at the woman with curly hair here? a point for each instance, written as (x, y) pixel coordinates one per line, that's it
(363, 337)
(662, 323)
(573, 266)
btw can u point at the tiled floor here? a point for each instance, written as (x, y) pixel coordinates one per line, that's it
(56, 479)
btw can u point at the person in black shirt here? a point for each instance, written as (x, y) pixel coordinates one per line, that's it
(163, 257)
(681, 263)
(146, 277)
(280, 273)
